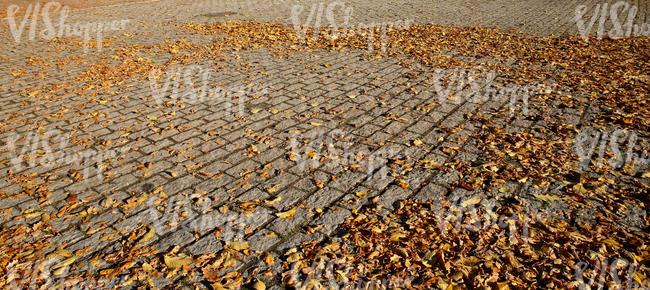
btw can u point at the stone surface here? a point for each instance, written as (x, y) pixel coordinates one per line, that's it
(229, 178)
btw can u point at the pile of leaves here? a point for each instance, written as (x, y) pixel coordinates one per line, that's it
(422, 243)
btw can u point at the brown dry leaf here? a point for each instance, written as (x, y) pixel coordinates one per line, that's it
(211, 272)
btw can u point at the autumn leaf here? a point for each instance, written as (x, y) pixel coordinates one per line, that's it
(271, 202)
(267, 258)
(287, 214)
(149, 235)
(177, 261)
(238, 246)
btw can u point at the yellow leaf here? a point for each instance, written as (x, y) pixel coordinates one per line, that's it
(639, 277)
(295, 257)
(255, 110)
(417, 142)
(109, 236)
(471, 201)
(177, 261)
(147, 267)
(259, 285)
(273, 111)
(59, 271)
(64, 253)
(316, 124)
(430, 164)
(352, 96)
(253, 149)
(611, 242)
(287, 214)
(271, 202)
(547, 197)
(65, 262)
(150, 234)
(272, 189)
(32, 215)
(579, 189)
(268, 258)
(238, 246)
(396, 236)
(361, 194)
(157, 190)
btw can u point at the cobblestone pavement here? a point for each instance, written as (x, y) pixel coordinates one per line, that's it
(214, 162)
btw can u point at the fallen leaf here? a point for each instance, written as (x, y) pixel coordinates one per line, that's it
(287, 214)
(177, 261)
(238, 246)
